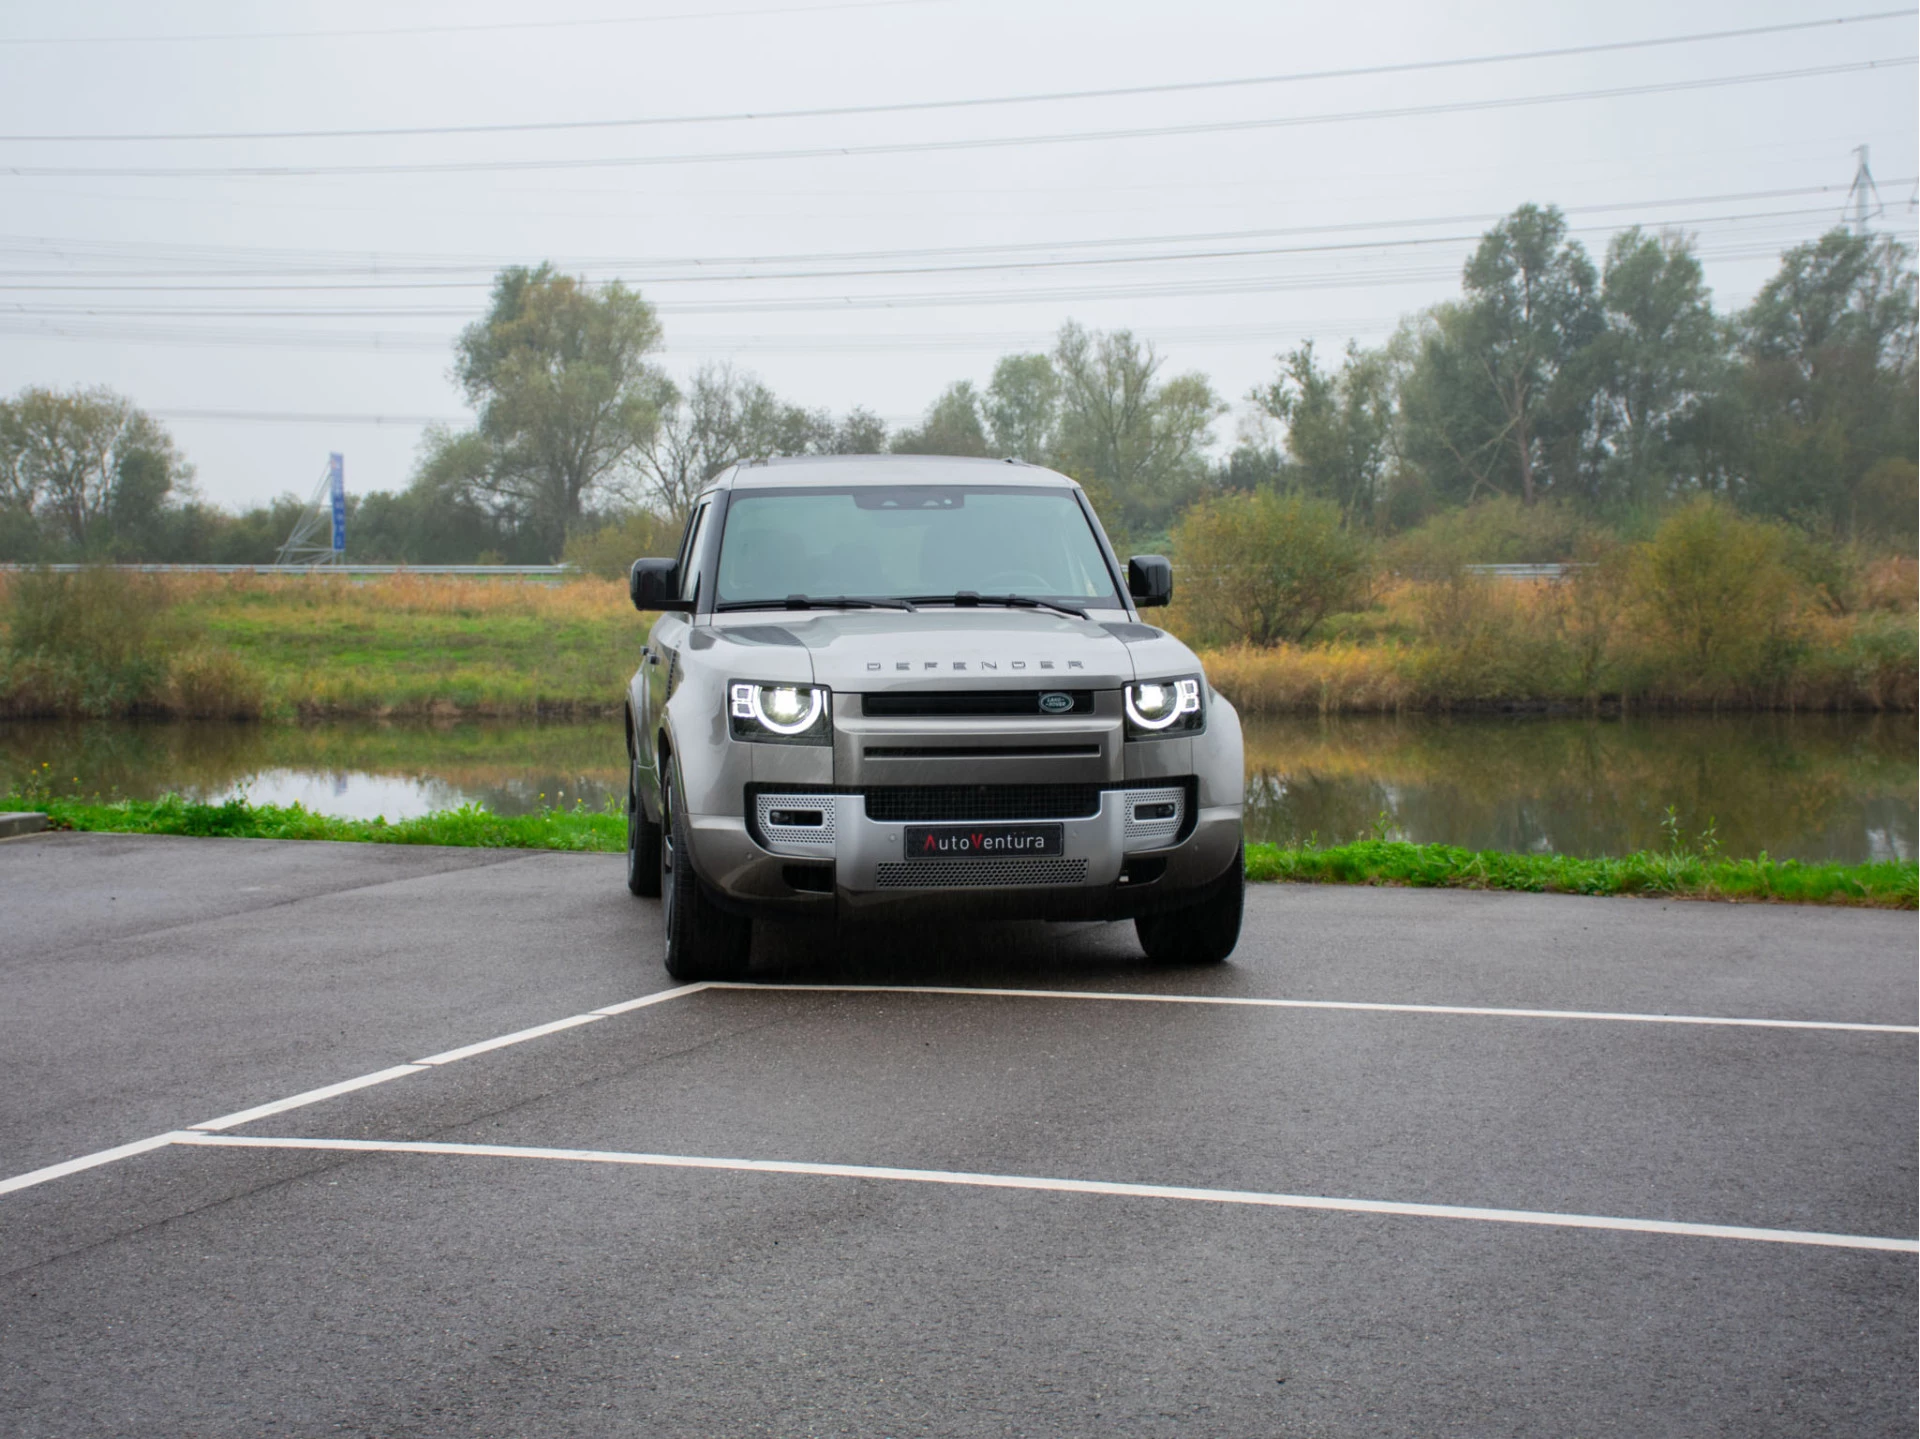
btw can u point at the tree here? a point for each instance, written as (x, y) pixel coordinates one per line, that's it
(1338, 426)
(565, 398)
(1499, 401)
(87, 467)
(722, 418)
(1137, 436)
(858, 432)
(1266, 567)
(1659, 365)
(1828, 385)
(1023, 407)
(953, 426)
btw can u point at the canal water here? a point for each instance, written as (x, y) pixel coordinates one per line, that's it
(1807, 787)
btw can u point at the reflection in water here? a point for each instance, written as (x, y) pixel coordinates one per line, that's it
(1799, 786)
(358, 769)
(1809, 787)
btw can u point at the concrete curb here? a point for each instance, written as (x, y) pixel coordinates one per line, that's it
(18, 822)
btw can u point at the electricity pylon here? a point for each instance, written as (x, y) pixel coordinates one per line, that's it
(324, 519)
(1863, 194)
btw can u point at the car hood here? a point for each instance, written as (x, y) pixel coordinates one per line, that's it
(866, 650)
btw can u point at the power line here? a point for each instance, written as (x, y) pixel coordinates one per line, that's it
(1379, 277)
(659, 198)
(80, 328)
(912, 106)
(915, 147)
(476, 28)
(321, 263)
(1078, 262)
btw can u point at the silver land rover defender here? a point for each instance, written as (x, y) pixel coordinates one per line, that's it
(914, 686)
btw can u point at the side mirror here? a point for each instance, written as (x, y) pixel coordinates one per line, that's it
(655, 585)
(1150, 580)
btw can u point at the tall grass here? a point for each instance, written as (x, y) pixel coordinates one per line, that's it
(1616, 635)
(1713, 610)
(106, 642)
(1466, 642)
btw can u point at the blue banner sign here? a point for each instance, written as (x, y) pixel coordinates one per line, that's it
(337, 487)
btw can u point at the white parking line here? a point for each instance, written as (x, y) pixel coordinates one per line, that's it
(520, 1036)
(345, 1086)
(1360, 1005)
(963, 1179)
(312, 1096)
(86, 1161)
(486, 1046)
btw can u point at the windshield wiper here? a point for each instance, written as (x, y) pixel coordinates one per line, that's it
(815, 602)
(966, 598)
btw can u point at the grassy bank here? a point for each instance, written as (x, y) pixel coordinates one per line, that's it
(1498, 644)
(468, 827)
(314, 647)
(1893, 884)
(1675, 874)
(250, 647)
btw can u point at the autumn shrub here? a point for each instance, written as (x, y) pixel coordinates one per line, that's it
(210, 683)
(1495, 531)
(1264, 568)
(609, 551)
(102, 641)
(1863, 661)
(1327, 679)
(1486, 641)
(1891, 584)
(93, 642)
(1717, 610)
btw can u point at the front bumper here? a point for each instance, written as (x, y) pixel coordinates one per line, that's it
(816, 851)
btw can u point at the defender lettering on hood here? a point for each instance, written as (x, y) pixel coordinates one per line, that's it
(979, 666)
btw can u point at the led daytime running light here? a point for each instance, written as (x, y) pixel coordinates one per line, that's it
(750, 702)
(1186, 701)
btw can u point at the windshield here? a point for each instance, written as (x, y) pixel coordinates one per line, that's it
(911, 542)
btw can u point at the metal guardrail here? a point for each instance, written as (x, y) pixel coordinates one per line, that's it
(503, 571)
(1522, 572)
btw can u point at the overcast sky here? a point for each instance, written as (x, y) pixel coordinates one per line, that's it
(272, 317)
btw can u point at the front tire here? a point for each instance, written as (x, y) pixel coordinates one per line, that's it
(704, 941)
(643, 842)
(1203, 933)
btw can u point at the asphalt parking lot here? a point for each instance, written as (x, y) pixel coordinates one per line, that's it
(330, 1139)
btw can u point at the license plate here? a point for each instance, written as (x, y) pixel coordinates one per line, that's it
(983, 841)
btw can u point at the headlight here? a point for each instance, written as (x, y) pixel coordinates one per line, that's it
(1160, 707)
(780, 714)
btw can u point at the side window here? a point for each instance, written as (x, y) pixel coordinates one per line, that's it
(690, 552)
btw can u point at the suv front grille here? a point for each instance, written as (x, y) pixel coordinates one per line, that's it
(919, 803)
(969, 703)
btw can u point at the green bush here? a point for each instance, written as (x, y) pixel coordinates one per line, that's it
(610, 551)
(1718, 606)
(1497, 531)
(88, 643)
(1266, 567)
(108, 642)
